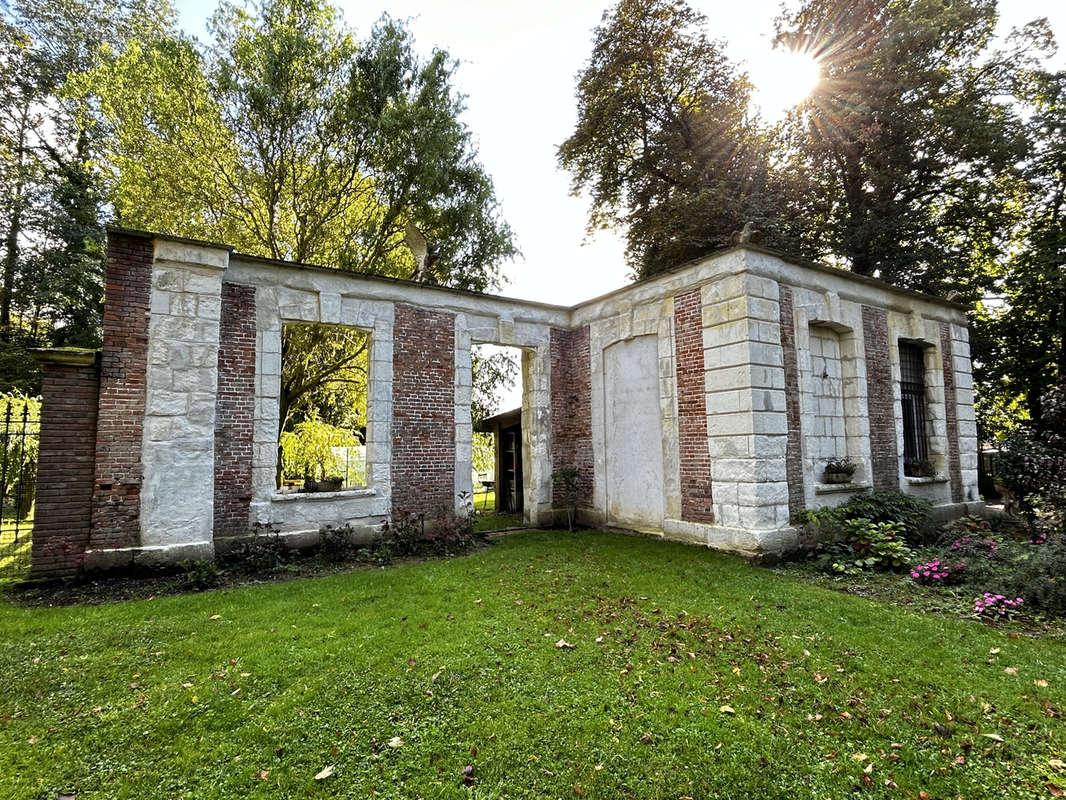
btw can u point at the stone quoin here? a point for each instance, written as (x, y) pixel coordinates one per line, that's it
(701, 404)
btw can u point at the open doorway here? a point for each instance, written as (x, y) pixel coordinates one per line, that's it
(496, 414)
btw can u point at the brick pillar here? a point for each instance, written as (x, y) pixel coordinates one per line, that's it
(123, 364)
(695, 457)
(571, 412)
(70, 386)
(884, 455)
(793, 449)
(423, 411)
(951, 415)
(235, 410)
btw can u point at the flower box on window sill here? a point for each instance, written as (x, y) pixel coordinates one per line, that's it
(917, 481)
(831, 488)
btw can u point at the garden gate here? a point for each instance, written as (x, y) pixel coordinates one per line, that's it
(20, 430)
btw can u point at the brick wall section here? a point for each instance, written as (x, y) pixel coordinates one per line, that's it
(66, 471)
(951, 416)
(571, 412)
(793, 451)
(884, 455)
(695, 458)
(124, 358)
(235, 410)
(423, 411)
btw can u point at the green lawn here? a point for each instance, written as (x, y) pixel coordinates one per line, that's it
(712, 679)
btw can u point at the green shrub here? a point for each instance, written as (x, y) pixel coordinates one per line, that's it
(336, 545)
(261, 552)
(201, 574)
(913, 515)
(866, 546)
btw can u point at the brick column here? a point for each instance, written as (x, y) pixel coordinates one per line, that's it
(695, 458)
(423, 427)
(884, 456)
(235, 410)
(70, 385)
(571, 412)
(123, 364)
(793, 447)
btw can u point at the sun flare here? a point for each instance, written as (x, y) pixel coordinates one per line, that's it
(783, 79)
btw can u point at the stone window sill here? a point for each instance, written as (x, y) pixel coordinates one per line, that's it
(919, 481)
(833, 488)
(344, 494)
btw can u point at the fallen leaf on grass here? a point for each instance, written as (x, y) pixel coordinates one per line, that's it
(995, 737)
(1055, 791)
(727, 710)
(562, 644)
(216, 616)
(263, 774)
(1057, 764)
(1011, 670)
(395, 742)
(324, 773)
(1041, 683)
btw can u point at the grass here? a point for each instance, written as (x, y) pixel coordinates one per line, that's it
(711, 678)
(487, 519)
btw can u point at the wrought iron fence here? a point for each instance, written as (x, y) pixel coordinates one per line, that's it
(20, 434)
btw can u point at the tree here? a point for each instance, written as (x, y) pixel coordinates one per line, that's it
(906, 150)
(288, 138)
(665, 142)
(1019, 341)
(50, 200)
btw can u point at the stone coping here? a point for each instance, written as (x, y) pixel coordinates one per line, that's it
(833, 488)
(343, 494)
(65, 355)
(924, 480)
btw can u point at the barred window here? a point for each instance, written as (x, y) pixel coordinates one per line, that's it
(912, 394)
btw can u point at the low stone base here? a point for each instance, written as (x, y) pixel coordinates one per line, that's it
(750, 544)
(949, 511)
(149, 557)
(360, 535)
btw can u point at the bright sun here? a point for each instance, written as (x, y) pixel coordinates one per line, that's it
(782, 79)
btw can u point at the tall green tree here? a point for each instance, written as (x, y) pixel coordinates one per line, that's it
(1020, 331)
(50, 199)
(288, 137)
(666, 144)
(906, 151)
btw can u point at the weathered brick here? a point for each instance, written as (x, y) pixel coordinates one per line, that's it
(884, 453)
(571, 412)
(423, 411)
(116, 501)
(793, 450)
(234, 410)
(696, 495)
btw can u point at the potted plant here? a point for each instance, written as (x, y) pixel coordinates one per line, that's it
(839, 470)
(919, 468)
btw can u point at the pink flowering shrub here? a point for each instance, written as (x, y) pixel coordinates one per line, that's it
(937, 573)
(996, 606)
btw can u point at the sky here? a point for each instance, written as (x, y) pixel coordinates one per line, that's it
(518, 68)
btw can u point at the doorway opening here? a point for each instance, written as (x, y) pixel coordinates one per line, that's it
(496, 414)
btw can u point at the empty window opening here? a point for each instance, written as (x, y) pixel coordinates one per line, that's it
(322, 408)
(496, 414)
(912, 396)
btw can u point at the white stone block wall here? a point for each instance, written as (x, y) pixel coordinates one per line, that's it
(178, 450)
(967, 420)
(746, 415)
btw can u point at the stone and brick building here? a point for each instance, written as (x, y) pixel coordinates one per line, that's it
(701, 404)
